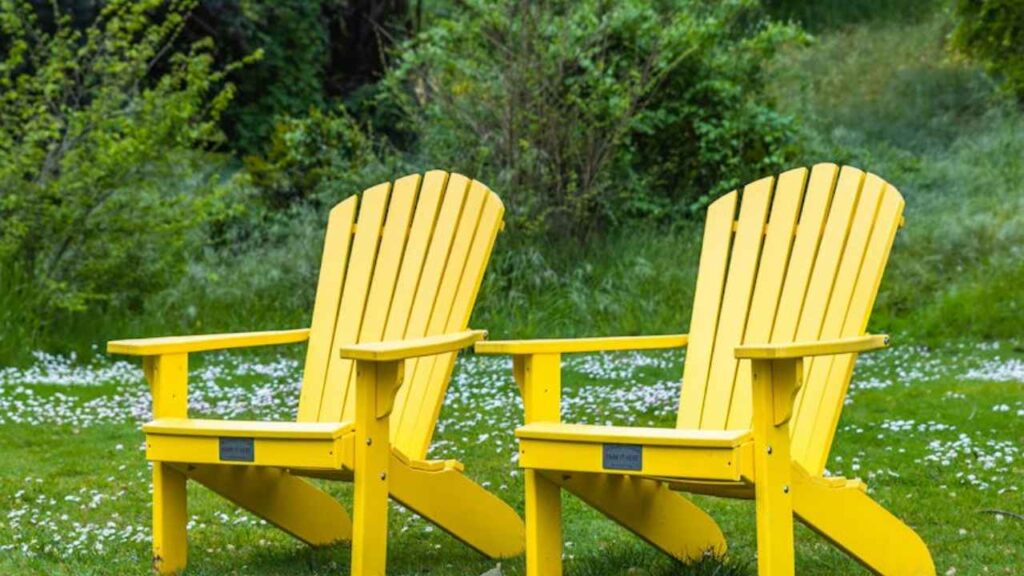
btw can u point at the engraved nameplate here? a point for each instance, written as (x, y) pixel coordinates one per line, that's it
(237, 449)
(623, 457)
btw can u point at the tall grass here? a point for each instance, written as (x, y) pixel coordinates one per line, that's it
(889, 99)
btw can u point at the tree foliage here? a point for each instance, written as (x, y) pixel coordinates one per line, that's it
(992, 31)
(587, 113)
(105, 172)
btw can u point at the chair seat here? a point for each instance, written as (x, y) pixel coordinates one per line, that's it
(248, 428)
(721, 455)
(295, 445)
(631, 435)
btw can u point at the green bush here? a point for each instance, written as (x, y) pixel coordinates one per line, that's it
(585, 114)
(319, 159)
(992, 31)
(105, 178)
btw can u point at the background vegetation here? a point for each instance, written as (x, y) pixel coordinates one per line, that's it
(166, 166)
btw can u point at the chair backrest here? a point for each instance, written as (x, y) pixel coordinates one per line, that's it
(801, 261)
(400, 261)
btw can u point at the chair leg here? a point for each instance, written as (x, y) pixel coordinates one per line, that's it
(460, 507)
(774, 384)
(170, 516)
(774, 505)
(846, 516)
(665, 519)
(543, 526)
(372, 463)
(290, 503)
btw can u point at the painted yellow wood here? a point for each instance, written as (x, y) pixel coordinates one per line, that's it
(337, 386)
(820, 435)
(168, 383)
(285, 501)
(372, 457)
(739, 287)
(817, 201)
(850, 344)
(714, 258)
(243, 428)
(397, 283)
(835, 314)
(430, 281)
(826, 264)
(205, 342)
(430, 488)
(649, 509)
(424, 384)
(772, 485)
(578, 345)
(304, 453)
(325, 308)
(413, 348)
(170, 516)
(723, 463)
(864, 530)
(756, 420)
(420, 233)
(546, 430)
(779, 234)
(543, 525)
(417, 439)
(539, 378)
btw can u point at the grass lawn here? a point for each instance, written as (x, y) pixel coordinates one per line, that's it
(936, 433)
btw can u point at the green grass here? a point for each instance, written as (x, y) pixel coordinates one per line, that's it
(74, 485)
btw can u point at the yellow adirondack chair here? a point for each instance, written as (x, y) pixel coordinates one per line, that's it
(783, 296)
(397, 284)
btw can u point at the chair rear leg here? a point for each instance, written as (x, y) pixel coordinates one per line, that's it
(460, 507)
(846, 516)
(543, 525)
(170, 516)
(648, 508)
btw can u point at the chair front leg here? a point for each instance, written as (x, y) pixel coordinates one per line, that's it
(543, 526)
(170, 516)
(376, 384)
(167, 375)
(539, 379)
(774, 384)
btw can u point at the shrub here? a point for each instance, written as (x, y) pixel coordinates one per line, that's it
(104, 182)
(992, 31)
(584, 114)
(320, 159)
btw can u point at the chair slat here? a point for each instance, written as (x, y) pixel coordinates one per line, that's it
(427, 386)
(389, 258)
(353, 297)
(789, 192)
(739, 287)
(707, 300)
(817, 201)
(430, 277)
(876, 257)
(423, 222)
(325, 308)
(815, 386)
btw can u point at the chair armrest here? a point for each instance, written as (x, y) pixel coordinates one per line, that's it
(792, 350)
(413, 348)
(576, 345)
(205, 342)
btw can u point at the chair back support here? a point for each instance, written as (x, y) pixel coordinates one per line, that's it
(400, 261)
(795, 258)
